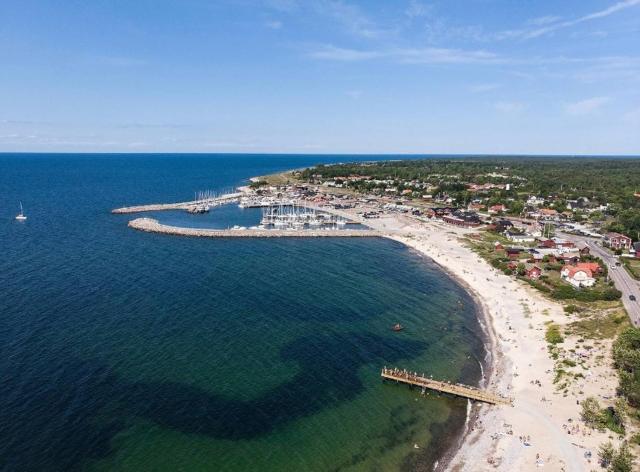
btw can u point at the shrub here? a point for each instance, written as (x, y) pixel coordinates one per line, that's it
(606, 453)
(591, 413)
(258, 183)
(570, 309)
(622, 460)
(553, 335)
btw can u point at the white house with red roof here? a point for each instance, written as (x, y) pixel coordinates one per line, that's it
(578, 276)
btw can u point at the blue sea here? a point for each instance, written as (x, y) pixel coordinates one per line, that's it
(128, 351)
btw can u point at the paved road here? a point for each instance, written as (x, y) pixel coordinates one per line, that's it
(624, 282)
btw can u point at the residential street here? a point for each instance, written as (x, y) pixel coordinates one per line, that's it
(624, 282)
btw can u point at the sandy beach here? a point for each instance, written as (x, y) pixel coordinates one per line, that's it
(543, 430)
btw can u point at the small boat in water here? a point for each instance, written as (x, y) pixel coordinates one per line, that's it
(20, 216)
(198, 209)
(397, 327)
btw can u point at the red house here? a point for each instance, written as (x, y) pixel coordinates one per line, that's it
(534, 272)
(497, 208)
(584, 249)
(513, 253)
(548, 243)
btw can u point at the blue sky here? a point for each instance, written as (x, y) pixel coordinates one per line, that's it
(324, 76)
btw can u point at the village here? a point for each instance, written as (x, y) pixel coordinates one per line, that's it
(551, 247)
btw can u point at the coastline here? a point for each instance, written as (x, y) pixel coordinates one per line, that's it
(543, 428)
(489, 364)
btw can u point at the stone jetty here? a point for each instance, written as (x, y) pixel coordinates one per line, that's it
(228, 198)
(154, 226)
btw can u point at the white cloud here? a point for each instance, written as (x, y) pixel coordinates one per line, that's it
(543, 20)
(417, 9)
(274, 24)
(333, 53)
(584, 107)
(409, 56)
(446, 56)
(346, 15)
(550, 24)
(509, 107)
(351, 17)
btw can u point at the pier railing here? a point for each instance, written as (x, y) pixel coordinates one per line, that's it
(473, 393)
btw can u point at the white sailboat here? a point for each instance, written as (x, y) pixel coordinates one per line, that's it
(21, 216)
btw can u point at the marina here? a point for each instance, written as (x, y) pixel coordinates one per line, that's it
(263, 202)
(299, 217)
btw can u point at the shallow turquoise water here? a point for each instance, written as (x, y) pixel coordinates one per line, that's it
(122, 350)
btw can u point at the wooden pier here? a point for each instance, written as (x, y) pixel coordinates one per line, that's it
(412, 378)
(222, 199)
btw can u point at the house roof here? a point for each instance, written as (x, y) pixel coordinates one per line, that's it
(572, 271)
(617, 235)
(592, 266)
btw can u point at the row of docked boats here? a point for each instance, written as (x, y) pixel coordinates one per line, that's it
(264, 202)
(297, 217)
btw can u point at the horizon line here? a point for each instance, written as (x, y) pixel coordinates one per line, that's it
(293, 154)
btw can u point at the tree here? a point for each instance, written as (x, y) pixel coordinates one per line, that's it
(622, 460)
(626, 357)
(621, 409)
(515, 208)
(606, 453)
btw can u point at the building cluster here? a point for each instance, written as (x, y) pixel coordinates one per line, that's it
(553, 254)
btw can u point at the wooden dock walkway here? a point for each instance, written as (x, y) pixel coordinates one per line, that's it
(154, 226)
(228, 198)
(412, 378)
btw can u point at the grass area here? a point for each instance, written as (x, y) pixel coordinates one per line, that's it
(282, 178)
(553, 335)
(604, 320)
(632, 266)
